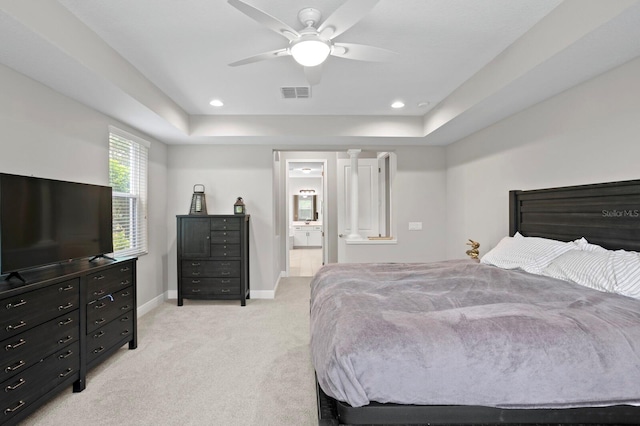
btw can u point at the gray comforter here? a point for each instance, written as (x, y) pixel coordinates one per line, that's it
(463, 333)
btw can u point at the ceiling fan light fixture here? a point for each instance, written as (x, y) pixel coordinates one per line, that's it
(310, 51)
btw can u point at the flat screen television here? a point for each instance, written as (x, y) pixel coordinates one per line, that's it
(45, 221)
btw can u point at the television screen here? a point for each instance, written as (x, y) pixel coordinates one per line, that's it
(44, 221)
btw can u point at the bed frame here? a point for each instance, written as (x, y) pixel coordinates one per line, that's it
(606, 214)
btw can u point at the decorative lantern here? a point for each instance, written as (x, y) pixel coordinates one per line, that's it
(239, 207)
(198, 203)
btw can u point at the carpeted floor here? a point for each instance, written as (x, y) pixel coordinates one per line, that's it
(204, 363)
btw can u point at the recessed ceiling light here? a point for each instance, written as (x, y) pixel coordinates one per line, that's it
(216, 103)
(397, 104)
(423, 104)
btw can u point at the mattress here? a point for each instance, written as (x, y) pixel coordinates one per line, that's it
(464, 333)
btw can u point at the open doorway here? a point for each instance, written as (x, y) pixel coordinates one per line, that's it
(305, 216)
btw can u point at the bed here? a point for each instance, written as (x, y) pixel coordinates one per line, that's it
(462, 342)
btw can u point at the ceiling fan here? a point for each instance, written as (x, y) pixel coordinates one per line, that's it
(311, 46)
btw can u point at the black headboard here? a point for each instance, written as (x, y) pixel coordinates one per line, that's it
(607, 214)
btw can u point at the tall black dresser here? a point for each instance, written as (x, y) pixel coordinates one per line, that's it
(213, 257)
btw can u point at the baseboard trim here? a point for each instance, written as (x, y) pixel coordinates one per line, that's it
(150, 305)
(267, 294)
(262, 294)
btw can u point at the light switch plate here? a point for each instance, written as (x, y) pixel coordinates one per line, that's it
(415, 226)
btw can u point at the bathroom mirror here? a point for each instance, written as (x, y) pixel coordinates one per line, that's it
(304, 208)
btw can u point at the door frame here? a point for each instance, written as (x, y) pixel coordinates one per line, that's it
(288, 209)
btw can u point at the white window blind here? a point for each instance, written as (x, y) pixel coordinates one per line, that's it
(128, 164)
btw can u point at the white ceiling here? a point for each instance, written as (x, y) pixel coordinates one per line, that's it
(156, 64)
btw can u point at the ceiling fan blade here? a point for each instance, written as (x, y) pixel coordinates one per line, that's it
(313, 74)
(261, 57)
(362, 52)
(345, 17)
(265, 19)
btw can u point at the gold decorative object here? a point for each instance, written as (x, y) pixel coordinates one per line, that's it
(473, 252)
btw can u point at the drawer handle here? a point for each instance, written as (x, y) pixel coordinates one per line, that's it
(65, 307)
(100, 306)
(99, 292)
(67, 288)
(124, 319)
(124, 333)
(195, 290)
(99, 277)
(14, 409)
(15, 366)
(65, 340)
(195, 263)
(195, 273)
(66, 372)
(66, 322)
(225, 281)
(225, 264)
(98, 335)
(125, 269)
(65, 355)
(98, 350)
(99, 321)
(226, 290)
(125, 294)
(108, 296)
(225, 273)
(224, 254)
(124, 282)
(16, 304)
(16, 385)
(15, 345)
(195, 281)
(125, 307)
(17, 326)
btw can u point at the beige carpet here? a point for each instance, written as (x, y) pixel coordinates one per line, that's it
(204, 363)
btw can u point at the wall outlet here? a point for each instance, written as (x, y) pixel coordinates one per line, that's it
(415, 226)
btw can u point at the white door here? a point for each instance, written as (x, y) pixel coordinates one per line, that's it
(367, 201)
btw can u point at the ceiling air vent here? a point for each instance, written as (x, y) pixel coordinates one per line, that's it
(296, 92)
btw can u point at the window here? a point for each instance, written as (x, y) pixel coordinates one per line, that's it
(128, 158)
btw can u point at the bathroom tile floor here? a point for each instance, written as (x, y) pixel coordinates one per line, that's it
(304, 262)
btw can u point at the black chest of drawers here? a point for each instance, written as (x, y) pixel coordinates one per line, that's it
(47, 328)
(213, 257)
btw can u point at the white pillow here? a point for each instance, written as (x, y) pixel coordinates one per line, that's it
(605, 270)
(585, 245)
(588, 268)
(531, 254)
(626, 268)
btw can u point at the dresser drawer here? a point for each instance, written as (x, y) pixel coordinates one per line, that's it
(225, 250)
(106, 337)
(210, 268)
(108, 308)
(108, 281)
(225, 224)
(18, 392)
(25, 311)
(19, 352)
(211, 286)
(225, 237)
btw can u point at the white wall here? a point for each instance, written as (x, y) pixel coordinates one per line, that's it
(48, 135)
(588, 134)
(227, 172)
